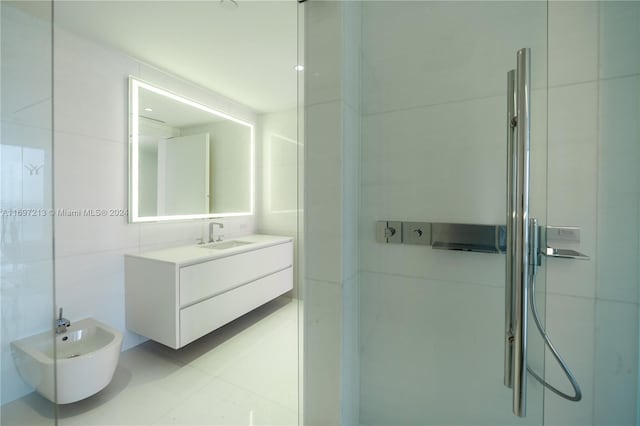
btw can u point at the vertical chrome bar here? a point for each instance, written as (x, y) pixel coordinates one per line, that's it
(511, 216)
(534, 249)
(522, 231)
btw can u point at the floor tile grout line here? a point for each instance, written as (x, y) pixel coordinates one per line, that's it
(182, 400)
(261, 396)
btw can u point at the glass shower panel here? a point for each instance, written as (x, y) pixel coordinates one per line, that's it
(433, 149)
(26, 248)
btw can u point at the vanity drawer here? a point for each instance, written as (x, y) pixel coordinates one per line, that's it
(204, 280)
(208, 315)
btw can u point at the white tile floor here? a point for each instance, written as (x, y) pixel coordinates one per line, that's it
(245, 373)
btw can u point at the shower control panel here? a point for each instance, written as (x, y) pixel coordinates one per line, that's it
(445, 236)
(555, 241)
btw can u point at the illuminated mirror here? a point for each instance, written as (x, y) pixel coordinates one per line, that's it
(187, 160)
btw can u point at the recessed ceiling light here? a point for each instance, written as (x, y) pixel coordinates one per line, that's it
(298, 67)
(148, 109)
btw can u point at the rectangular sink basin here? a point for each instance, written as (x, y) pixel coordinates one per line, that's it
(226, 245)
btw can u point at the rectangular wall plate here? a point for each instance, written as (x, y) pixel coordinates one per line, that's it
(389, 231)
(568, 234)
(394, 231)
(416, 233)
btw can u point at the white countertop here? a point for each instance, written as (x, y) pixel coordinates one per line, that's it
(192, 254)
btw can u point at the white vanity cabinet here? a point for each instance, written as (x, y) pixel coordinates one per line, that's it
(175, 296)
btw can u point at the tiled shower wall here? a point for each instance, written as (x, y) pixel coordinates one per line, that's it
(618, 249)
(434, 150)
(594, 149)
(430, 131)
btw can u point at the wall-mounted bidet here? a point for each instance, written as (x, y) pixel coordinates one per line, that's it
(86, 355)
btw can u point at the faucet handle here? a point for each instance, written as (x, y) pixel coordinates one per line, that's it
(61, 323)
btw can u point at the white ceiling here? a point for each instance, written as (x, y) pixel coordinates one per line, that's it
(246, 53)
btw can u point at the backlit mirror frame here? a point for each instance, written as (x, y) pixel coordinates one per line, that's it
(135, 84)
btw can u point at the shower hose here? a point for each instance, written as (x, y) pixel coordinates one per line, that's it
(536, 317)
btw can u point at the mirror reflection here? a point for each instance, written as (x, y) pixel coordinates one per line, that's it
(282, 165)
(188, 160)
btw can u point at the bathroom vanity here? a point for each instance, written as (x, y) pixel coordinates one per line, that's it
(177, 295)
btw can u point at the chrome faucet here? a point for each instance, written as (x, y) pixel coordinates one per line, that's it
(62, 324)
(220, 225)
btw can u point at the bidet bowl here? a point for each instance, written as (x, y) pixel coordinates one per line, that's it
(86, 356)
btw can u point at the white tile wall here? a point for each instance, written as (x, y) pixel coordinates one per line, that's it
(619, 134)
(593, 139)
(26, 257)
(425, 262)
(441, 52)
(570, 323)
(322, 352)
(90, 88)
(619, 35)
(26, 67)
(616, 363)
(155, 234)
(616, 313)
(351, 53)
(91, 173)
(426, 376)
(572, 174)
(322, 61)
(418, 149)
(619, 189)
(323, 183)
(618, 250)
(573, 36)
